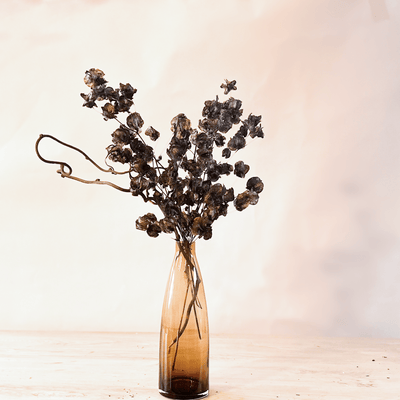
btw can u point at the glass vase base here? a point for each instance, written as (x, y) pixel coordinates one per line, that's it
(186, 397)
(184, 388)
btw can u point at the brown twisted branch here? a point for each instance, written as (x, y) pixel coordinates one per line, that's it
(68, 174)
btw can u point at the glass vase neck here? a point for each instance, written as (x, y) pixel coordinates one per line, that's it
(185, 245)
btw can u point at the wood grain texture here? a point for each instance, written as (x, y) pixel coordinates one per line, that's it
(67, 365)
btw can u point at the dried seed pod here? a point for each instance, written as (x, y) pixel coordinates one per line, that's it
(121, 136)
(228, 86)
(94, 77)
(153, 230)
(180, 125)
(142, 223)
(212, 109)
(225, 168)
(123, 104)
(241, 169)
(243, 200)
(109, 111)
(236, 142)
(252, 124)
(229, 195)
(152, 133)
(255, 184)
(127, 90)
(117, 153)
(226, 153)
(134, 121)
(167, 225)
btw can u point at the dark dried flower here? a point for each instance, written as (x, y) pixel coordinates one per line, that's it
(229, 196)
(229, 114)
(236, 142)
(252, 124)
(225, 168)
(252, 121)
(121, 136)
(141, 167)
(89, 101)
(255, 184)
(108, 111)
(134, 121)
(233, 106)
(127, 90)
(117, 153)
(258, 132)
(241, 169)
(219, 139)
(137, 146)
(243, 200)
(202, 140)
(201, 227)
(153, 230)
(94, 77)
(214, 195)
(208, 233)
(198, 226)
(208, 125)
(142, 223)
(212, 109)
(152, 133)
(180, 125)
(242, 131)
(135, 188)
(224, 122)
(104, 92)
(167, 225)
(226, 153)
(177, 148)
(124, 104)
(228, 86)
(192, 167)
(213, 173)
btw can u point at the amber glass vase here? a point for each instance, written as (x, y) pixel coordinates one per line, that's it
(184, 339)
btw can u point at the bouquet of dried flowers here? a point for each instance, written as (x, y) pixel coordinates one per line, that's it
(186, 187)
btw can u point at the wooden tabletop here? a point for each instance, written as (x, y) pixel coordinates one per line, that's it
(68, 365)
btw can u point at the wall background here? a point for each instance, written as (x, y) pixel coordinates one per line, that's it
(319, 254)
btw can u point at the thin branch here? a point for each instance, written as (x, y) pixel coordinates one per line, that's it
(110, 169)
(192, 304)
(178, 336)
(68, 174)
(95, 182)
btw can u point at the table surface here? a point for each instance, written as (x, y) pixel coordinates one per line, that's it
(87, 365)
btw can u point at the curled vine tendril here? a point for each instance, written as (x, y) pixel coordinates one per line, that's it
(66, 171)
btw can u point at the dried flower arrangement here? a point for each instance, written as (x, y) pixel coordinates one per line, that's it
(190, 201)
(187, 192)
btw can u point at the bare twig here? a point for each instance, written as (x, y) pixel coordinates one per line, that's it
(68, 174)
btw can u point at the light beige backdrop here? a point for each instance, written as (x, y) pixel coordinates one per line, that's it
(319, 254)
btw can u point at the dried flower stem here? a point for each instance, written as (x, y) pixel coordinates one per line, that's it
(184, 248)
(68, 174)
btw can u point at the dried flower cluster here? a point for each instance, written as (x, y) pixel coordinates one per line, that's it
(186, 189)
